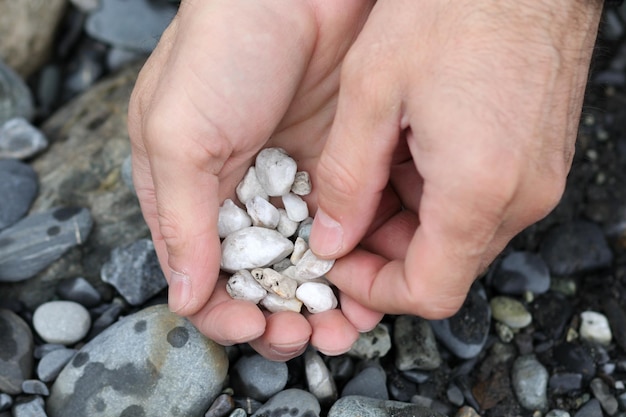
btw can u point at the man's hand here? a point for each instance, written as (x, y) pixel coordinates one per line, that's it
(455, 130)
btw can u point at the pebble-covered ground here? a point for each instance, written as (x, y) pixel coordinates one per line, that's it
(83, 328)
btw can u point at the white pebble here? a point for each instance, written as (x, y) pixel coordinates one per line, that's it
(594, 327)
(262, 213)
(253, 247)
(275, 171)
(63, 322)
(301, 183)
(316, 297)
(231, 218)
(295, 207)
(274, 303)
(275, 282)
(299, 249)
(242, 286)
(310, 266)
(250, 187)
(286, 226)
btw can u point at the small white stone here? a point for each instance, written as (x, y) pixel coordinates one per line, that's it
(250, 187)
(295, 207)
(301, 183)
(594, 327)
(299, 249)
(63, 322)
(286, 226)
(253, 247)
(316, 297)
(275, 171)
(231, 218)
(262, 213)
(310, 266)
(274, 303)
(290, 272)
(242, 286)
(275, 282)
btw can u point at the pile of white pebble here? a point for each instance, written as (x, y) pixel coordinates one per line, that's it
(263, 246)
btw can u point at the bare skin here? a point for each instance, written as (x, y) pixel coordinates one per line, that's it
(434, 132)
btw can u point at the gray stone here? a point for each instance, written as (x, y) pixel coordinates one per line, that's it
(465, 333)
(20, 140)
(116, 23)
(576, 247)
(530, 382)
(33, 243)
(63, 322)
(290, 402)
(134, 271)
(5, 401)
(373, 344)
(222, 405)
(51, 364)
(557, 413)
(370, 382)
(79, 290)
(319, 379)
(30, 406)
(109, 316)
(591, 408)
(257, 377)
(150, 363)
(35, 387)
(18, 189)
(42, 350)
(565, 382)
(126, 171)
(602, 392)
(415, 344)
(16, 99)
(16, 352)
(358, 406)
(519, 272)
(27, 30)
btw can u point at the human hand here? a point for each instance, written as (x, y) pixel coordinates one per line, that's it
(455, 130)
(228, 78)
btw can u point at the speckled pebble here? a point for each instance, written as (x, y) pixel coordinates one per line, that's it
(16, 345)
(64, 322)
(373, 344)
(290, 402)
(415, 344)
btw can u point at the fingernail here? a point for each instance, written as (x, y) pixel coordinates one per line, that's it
(326, 235)
(288, 349)
(179, 293)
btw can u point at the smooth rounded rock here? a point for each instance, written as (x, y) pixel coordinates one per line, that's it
(373, 344)
(151, 363)
(415, 344)
(602, 392)
(253, 247)
(63, 322)
(290, 402)
(317, 297)
(318, 377)
(359, 406)
(530, 382)
(275, 171)
(262, 213)
(19, 188)
(52, 363)
(257, 377)
(594, 327)
(371, 382)
(519, 272)
(510, 312)
(35, 387)
(20, 140)
(591, 408)
(16, 352)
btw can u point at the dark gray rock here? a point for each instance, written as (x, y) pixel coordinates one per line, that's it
(51, 364)
(80, 291)
(16, 99)
(36, 241)
(357, 406)
(591, 408)
(222, 405)
(415, 344)
(35, 387)
(109, 316)
(257, 377)
(290, 403)
(134, 271)
(565, 382)
(574, 358)
(519, 272)
(16, 352)
(465, 333)
(20, 140)
(551, 312)
(576, 247)
(29, 406)
(18, 189)
(150, 363)
(116, 23)
(370, 382)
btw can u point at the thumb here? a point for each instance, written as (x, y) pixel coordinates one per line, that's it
(353, 169)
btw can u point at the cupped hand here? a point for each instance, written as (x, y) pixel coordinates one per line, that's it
(228, 78)
(465, 111)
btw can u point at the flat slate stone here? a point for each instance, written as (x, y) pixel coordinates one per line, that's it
(357, 406)
(16, 352)
(18, 189)
(151, 363)
(36, 241)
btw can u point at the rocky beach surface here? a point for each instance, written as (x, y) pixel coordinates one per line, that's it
(84, 329)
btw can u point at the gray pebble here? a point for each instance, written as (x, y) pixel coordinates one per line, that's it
(373, 344)
(6, 401)
(20, 140)
(591, 408)
(519, 272)
(557, 413)
(16, 345)
(63, 322)
(36, 241)
(107, 318)
(358, 406)
(415, 344)
(18, 189)
(319, 379)
(602, 393)
(290, 402)
(31, 406)
(222, 405)
(530, 382)
(455, 395)
(42, 350)
(51, 364)
(127, 174)
(15, 98)
(509, 311)
(80, 291)
(134, 271)
(565, 382)
(35, 387)
(238, 412)
(370, 382)
(257, 377)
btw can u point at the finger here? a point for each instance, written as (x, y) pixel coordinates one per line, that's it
(333, 334)
(286, 336)
(362, 318)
